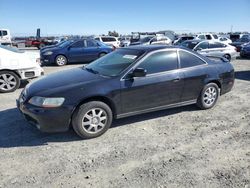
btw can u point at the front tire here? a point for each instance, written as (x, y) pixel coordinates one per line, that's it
(208, 96)
(102, 54)
(61, 60)
(92, 119)
(9, 81)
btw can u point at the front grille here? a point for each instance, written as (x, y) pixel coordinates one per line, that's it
(30, 74)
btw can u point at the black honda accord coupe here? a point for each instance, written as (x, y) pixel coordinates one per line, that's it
(126, 82)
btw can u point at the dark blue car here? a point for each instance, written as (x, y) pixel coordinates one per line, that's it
(83, 50)
(245, 50)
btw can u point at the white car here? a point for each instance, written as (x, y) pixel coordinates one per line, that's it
(109, 40)
(213, 48)
(225, 40)
(5, 37)
(207, 36)
(15, 66)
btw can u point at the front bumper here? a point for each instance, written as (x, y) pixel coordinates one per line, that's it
(30, 73)
(45, 119)
(46, 60)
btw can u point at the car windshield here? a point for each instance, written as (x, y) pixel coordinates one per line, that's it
(64, 43)
(114, 63)
(189, 44)
(11, 49)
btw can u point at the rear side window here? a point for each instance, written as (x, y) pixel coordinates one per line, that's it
(160, 62)
(216, 45)
(202, 37)
(223, 39)
(189, 60)
(208, 37)
(91, 43)
(78, 44)
(4, 33)
(108, 39)
(98, 39)
(215, 36)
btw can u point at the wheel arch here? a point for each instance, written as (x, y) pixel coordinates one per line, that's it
(103, 99)
(217, 82)
(13, 71)
(62, 55)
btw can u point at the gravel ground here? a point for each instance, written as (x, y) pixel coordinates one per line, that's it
(181, 147)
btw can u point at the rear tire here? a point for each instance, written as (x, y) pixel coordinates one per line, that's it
(228, 57)
(9, 81)
(208, 96)
(61, 60)
(92, 119)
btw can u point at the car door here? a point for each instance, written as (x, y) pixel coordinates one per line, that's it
(193, 68)
(91, 50)
(216, 49)
(76, 51)
(202, 48)
(161, 86)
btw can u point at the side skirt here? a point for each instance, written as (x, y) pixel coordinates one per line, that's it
(156, 108)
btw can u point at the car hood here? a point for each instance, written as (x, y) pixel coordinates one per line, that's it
(52, 48)
(61, 81)
(48, 47)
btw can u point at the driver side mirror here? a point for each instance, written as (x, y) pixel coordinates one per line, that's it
(139, 72)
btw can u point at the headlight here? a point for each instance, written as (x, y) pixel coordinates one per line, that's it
(46, 102)
(48, 53)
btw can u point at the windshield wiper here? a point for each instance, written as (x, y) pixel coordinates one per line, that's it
(91, 70)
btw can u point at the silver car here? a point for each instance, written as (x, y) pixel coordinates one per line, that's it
(212, 48)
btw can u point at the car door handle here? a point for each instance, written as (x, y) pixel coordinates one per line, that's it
(176, 80)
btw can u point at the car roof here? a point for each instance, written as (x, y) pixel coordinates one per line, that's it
(149, 48)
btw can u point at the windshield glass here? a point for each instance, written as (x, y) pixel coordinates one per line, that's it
(114, 63)
(189, 44)
(64, 43)
(11, 49)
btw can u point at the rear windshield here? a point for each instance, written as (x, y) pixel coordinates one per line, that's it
(114, 63)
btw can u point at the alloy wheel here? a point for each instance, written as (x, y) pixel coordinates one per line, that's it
(210, 96)
(94, 120)
(60, 60)
(7, 82)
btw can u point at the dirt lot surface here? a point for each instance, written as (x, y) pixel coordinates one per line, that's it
(181, 147)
